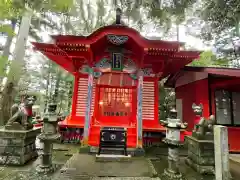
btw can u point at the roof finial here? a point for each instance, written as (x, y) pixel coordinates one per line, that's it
(118, 16)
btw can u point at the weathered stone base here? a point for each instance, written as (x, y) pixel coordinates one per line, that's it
(17, 147)
(169, 175)
(45, 169)
(17, 160)
(112, 158)
(200, 168)
(200, 155)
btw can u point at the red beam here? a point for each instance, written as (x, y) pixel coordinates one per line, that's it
(226, 83)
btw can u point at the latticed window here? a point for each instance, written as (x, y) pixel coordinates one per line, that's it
(115, 101)
(227, 107)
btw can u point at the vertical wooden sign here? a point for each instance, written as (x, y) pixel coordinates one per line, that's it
(117, 61)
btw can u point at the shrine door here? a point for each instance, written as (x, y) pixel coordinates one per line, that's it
(116, 106)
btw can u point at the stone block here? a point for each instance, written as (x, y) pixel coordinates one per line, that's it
(200, 155)
(202, 169)
(200, 147)
(201, 160)
(17, 147)
(112, 158)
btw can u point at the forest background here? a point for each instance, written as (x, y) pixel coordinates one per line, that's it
(212, 26)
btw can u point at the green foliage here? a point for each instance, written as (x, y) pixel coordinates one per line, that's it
(207, 58)
(7, 10)
(166, 100)
(221, 14)
(169, 13)
(221, 20)
(3, 62)
(7, 29)
(44, 5)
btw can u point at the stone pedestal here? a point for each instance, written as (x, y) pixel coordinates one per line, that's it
(17, 146)
(200, 155)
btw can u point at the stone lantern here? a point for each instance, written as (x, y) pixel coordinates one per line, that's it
(174, 126)
(47, 137)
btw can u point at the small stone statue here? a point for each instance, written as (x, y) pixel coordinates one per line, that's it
(21, 115)
(203, 128)
(197, 109)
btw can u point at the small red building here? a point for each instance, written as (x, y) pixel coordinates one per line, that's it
(217, 89)
(116, 74)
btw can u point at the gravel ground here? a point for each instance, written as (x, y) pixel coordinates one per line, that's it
(60, 156)
(125, 178)
(62, 152)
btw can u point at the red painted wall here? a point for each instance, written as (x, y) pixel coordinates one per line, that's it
(195, 92)
(198, 92)
(231, 84)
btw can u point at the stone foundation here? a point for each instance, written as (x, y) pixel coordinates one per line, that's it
(112, 158)
(134, 152)
(17, 146)
(200, 155)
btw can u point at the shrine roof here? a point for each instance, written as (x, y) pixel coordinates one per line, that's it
(118, 30)
(55, 54)
(72, 52)
(212, 71)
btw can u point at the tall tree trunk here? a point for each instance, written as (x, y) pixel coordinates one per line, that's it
(6, 50)
(178, 29)
(47, 88)
(7, 101)
(57, 86)
(16, 66)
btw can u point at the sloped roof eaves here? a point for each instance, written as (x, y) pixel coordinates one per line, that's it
(224, 72)
(232, 72)
(172, 79)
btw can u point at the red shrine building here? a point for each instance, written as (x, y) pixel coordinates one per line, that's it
(217, 89)
(116, 74)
